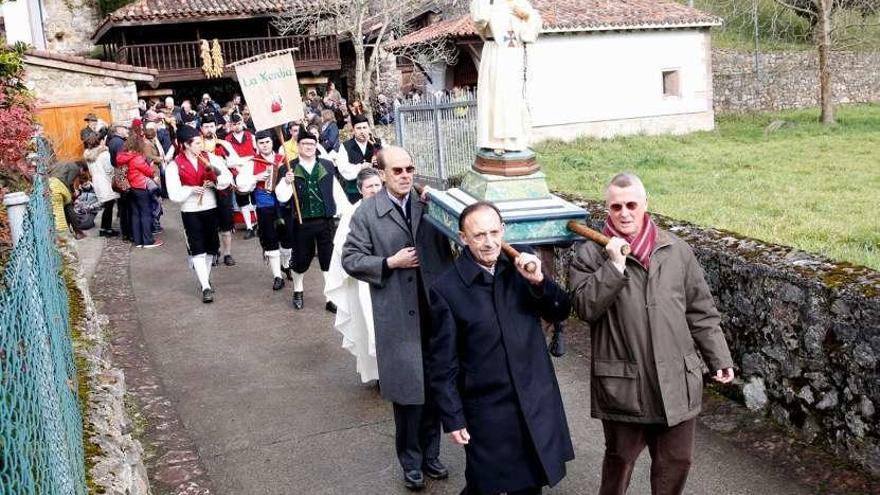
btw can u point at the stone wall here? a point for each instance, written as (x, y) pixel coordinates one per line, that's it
(69, 24)
(53, 85)
(790, 79)
(804, 332)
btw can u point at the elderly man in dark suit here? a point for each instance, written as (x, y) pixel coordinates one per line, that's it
(400, 254)
(489, 368)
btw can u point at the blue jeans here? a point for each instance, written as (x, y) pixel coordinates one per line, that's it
(141, 217)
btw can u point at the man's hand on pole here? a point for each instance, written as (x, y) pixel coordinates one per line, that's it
(613, 250)
(534, 277)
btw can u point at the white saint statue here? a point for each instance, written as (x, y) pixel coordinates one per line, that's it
(502, 107)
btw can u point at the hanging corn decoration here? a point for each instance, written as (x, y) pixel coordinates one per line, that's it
(217, 55)
(207, 63)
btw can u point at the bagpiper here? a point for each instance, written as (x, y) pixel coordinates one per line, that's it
(223, 150)
(244, 144)
(194, 179)
(259, 176)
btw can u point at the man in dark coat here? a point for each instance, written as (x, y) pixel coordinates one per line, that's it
(489, 368)
(400, 254)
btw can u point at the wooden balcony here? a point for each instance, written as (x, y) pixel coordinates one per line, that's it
(182, 61)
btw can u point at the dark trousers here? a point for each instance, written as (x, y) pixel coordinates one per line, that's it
(107, 215)
(526, 491)
(311, 234)
(271, 234)
(416, 433)
(141, 217)
(225, 210)
(123, 207)
(200, 228)
(671, 450)
(156, 209)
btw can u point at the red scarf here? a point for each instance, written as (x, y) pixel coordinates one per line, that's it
(194, 177)
(642, 244)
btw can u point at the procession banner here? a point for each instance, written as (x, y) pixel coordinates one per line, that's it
(271, 90)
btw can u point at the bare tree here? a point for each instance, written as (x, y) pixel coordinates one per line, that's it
(366, 23)
(428, 53)
(835, 23)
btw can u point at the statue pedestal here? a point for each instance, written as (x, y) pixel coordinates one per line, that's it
(532, 215)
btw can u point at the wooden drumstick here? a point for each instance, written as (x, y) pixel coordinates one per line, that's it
(597, 237)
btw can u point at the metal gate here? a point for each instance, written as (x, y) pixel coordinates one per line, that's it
(440, 133)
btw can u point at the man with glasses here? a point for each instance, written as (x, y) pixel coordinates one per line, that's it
(649, 314)
(313, 179)
(400, 254)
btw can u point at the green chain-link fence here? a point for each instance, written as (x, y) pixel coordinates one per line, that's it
(41, 449)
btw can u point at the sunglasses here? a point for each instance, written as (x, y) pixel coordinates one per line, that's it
(398, 170)
(630, 205)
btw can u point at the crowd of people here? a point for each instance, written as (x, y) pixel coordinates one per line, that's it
(456, 343)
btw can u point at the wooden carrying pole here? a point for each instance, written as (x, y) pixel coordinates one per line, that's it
(280, 135)
(597, 237)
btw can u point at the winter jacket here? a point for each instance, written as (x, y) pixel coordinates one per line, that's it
(139, 171)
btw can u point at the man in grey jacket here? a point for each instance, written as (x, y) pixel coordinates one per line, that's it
(649, 313)
(400, 254)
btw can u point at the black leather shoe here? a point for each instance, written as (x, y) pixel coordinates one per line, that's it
(330, 307)
(297, 300)
(108, 233)
(228, 261)
(278, 284)
(208, 296)
(435, 469)
(413, 480)
(249, 234)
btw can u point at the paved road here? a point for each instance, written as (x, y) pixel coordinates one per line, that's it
(274, 405)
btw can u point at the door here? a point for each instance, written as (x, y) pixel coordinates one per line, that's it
(62, 124)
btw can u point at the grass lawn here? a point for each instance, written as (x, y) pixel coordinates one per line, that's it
(804, 185)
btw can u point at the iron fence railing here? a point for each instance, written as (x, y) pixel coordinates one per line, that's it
(440, 133)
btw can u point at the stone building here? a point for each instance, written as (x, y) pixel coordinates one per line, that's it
(62, 26)
(68, 87)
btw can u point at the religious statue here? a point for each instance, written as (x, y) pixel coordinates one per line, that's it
(506, 26)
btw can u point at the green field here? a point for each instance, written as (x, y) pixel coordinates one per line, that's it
(804, 185)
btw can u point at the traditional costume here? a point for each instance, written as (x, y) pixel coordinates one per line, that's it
(314, 181)
(198, 211)
(351, 158)
(354, 314)
(245, 145)
(273, 219)
(225, 207)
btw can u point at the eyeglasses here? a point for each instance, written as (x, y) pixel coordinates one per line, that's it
(399, 170)
(630, 205)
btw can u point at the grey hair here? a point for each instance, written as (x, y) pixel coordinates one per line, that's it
(626, 179)
(365, 174)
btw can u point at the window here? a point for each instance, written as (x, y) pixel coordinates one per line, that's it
(671, 84)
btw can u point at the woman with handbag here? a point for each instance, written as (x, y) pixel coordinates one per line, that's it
(140, 174)
(97, 156)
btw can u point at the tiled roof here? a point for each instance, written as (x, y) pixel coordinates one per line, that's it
(90, 62)
(459, 27)
(582, 15)
(157, 11)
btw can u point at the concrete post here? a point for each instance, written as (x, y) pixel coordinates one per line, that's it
(16, 208)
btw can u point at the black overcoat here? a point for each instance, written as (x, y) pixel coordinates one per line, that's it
(490, 371)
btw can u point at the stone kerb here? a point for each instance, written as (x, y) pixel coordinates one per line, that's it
(805, 332)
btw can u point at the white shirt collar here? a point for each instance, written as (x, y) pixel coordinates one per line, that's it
(398, 202)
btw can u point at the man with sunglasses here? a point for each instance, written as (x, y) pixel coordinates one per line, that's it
(400, 254)
(649, 313)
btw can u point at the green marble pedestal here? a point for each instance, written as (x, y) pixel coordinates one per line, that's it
(532, 215)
